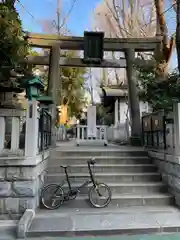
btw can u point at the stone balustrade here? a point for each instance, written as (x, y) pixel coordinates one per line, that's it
(11, 132)
(168, 158)
(82, 134)
(23, 158)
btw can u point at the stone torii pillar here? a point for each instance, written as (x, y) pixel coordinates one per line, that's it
(133, 99)
(54, 78)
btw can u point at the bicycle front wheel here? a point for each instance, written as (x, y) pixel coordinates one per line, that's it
(100, 195)
(52, 196)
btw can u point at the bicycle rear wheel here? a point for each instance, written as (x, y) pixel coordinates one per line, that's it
(52, 196)
(100, 195)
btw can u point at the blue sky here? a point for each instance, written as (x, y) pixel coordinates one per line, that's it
(79, 19)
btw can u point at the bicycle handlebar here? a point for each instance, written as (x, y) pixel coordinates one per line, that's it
(92, 161)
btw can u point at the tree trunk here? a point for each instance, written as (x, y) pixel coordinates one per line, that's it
(164, 54)
(178, 33)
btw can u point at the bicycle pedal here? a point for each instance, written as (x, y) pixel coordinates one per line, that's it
(74, 192)
(66, 198)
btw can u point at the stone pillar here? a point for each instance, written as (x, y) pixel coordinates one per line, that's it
(31, 134)
(133, 99)
(15, 134)
(54, 79)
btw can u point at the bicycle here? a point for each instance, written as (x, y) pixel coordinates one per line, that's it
(58, 196)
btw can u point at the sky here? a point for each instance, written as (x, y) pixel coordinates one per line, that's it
(34, 12)
(78, 21)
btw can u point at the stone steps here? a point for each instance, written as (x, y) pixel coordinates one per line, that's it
(130, 221)
(106, 177)
(101, 160)
(126, 188)
(135, 184)
(123, 210)
(131, 168)
(131, 175)
(97, 152)
(125, 200)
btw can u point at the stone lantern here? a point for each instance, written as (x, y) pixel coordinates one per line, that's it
(34, 87)
(8, 96)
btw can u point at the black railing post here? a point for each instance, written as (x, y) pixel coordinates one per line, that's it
(164, 131)
(50, 133)
(45, 129)
(143, 141)
(157, 138)
(42, 129)
(151, 132)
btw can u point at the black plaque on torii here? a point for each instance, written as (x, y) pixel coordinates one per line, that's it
(93, 47)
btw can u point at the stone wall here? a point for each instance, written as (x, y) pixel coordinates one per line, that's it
(20, 184)
(169, 167)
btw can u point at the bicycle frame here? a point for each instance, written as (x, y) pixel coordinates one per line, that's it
(83, 185)
(86, 183)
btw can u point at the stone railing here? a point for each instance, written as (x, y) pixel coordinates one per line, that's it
(158, 131)
(166, 152)
(22, 169)
(12, 132)
(82, 134)
(24, 133)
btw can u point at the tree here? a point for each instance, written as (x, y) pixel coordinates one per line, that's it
(13, 46)
(161, 95)
(72, 88)
(130, 18)
(178, 33)
(164, 53)
(138, 18)
(103, 117)
(125, 18)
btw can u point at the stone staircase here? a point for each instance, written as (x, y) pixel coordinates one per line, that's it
(140, 203)
(133, 178)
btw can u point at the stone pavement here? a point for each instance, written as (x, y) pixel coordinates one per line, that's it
(137, 237)
(8, 229)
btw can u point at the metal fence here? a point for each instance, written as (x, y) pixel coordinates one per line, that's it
(45, 135)
(155, 129)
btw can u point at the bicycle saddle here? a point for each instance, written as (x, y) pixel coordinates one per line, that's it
(64, 166)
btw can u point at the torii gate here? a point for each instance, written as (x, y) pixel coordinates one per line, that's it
(127, 45)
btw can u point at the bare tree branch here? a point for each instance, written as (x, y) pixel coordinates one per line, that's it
(125, 18)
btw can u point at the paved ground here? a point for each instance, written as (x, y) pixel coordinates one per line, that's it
(138, 237)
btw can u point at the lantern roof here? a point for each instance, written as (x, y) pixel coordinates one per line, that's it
(47, 100)
(35, 81)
